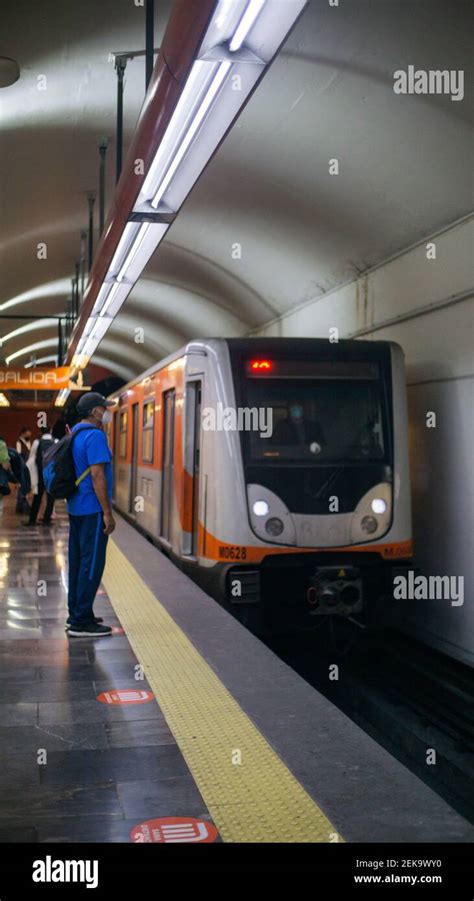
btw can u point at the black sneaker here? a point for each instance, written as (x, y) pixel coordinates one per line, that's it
(93, 629)
(95, 619)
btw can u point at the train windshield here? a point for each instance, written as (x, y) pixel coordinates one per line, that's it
(319, 420)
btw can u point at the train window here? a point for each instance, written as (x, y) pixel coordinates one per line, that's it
(148, 431)
(122, 449)
(318, 421)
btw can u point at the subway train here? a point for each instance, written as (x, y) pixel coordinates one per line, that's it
(274, 472)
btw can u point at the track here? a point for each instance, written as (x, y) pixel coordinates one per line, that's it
(416, 702)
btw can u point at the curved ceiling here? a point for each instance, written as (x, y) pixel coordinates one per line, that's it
(404, 165)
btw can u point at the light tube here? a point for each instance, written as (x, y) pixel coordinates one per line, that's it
(248, 19)
(62, 397)
(212, 92)
(110, 298)
(133, 250)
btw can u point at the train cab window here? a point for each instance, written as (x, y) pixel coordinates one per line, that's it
(321, 420)
(148, 431)
(123, 420)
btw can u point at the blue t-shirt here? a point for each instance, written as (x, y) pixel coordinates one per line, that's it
(89, 447)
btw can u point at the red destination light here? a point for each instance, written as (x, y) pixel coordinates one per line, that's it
(261, 365)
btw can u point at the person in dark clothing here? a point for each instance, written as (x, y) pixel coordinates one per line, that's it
(59, 429)
(35, 465)
(23, 447)
(295, 430)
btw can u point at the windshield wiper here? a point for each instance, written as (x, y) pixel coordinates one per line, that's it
(330, 481)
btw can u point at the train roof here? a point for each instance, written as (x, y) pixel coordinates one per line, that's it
(260, 343)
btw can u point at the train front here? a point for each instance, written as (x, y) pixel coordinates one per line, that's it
(325, 466)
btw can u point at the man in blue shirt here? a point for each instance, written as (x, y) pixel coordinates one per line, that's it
(90, 514)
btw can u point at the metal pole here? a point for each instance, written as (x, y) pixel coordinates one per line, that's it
(149, 39)
(91, 201)
(104, 143)
(76, 290)
(120, 64)
(60, 344)
(82, 261)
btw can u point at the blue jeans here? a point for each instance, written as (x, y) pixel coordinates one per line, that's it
(87, 547)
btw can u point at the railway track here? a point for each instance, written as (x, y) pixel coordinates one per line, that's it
(415, 702)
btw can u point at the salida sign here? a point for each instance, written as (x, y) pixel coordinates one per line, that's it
(39, 379)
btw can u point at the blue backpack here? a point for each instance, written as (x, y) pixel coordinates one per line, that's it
(59, 472)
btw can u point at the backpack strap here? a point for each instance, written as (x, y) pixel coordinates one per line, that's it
(86, 471)
(82, 476)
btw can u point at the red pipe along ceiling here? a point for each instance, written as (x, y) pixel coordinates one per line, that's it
(183, 37)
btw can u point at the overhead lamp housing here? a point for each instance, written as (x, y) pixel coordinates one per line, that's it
(242, 38)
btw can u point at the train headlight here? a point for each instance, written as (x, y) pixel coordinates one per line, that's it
(369, 524)
(365, 526)
(274, 526)
(261, 508)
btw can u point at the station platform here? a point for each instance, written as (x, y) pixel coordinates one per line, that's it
(179, 727)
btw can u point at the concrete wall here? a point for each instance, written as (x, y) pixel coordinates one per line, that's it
(426, 305)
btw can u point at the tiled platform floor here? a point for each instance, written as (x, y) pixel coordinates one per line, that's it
(106, 768)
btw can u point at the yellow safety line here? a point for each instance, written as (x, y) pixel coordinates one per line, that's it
(256, 800)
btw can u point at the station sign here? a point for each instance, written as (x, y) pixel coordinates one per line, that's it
(39, 378)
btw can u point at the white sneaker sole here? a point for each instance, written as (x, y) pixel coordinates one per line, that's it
(77, 634)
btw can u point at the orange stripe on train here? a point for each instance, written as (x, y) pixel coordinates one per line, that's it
(221, 551)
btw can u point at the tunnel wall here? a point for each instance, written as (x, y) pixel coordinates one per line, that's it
(426, 305)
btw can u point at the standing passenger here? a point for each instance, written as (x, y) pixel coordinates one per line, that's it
(90, 514)
(23, 447)
(35, 465)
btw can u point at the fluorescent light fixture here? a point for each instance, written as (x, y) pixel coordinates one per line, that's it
(89, 326)
(221, 72)
(100, 327)
(110, 297)
(150, 236)
(62, 397)
(205, 111)
(247, 22)
(137, 243)
(246, 27)
(123, 246)
(4, 402)
(101, 298)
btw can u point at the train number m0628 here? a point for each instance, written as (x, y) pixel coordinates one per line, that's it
(232, 552)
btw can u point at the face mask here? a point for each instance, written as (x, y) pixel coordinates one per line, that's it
(105, 418)
(296, 412)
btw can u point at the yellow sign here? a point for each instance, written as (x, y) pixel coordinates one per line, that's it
(39, 379)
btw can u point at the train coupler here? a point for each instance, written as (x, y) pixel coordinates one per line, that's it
(335, 590)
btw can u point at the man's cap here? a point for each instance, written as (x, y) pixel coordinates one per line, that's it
(93, 399)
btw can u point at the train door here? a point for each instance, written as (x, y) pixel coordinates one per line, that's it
(193, 459)
(133, 474)
(167, 484)
(116, 429)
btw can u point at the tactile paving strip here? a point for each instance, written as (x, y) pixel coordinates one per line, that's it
(256, 800)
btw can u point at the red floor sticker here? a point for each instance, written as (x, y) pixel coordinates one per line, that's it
(117, 630)
(174, 829)
(125, 696)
